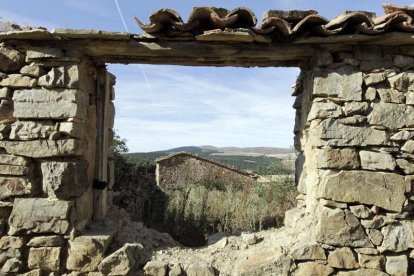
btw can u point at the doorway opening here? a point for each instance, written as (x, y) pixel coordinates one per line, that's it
(241, 118)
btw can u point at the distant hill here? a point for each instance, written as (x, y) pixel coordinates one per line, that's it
(260, 160)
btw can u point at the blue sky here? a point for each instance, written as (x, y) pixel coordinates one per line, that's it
(160, 107)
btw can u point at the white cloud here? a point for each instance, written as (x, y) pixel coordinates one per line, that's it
(197, 106)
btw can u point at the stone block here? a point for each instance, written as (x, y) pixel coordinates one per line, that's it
(333, 204)
(409, 98)
(123, 261)
(86, 252)
(402, 82)
(362, 272)
(370, 65)
(391, 96)
(5, 92)
(29, 130)
(377, 161)
(392, 116)
(375, 236)
(7, 242)
(73, 129)
(408, 147)
(15, 186)
(307, 251)
(342, 82)
(8, 159)
(198, 269)
(396, 265)
(14, 170)
(332, 133)
(374, 78)
(339, 227)
(385, 190)
(342, 258)
(32, 70)
(398, 237)
(157, 268)
(12, 265)
(402, 135)
(63, 180)
(403, 61)
(371, 262)
(306, 269)
(321, 110)
(43, 52)
(46, 241)
(44, 148)
(39, 215)
(10, 59)
(337, 158)
(18, 81)
(370, 94)
(406, 166)
(377, 222)
(50, 104)
(354, 108)
(44, 258)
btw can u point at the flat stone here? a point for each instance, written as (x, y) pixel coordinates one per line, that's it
(370, 65)
(29, 130)
(306, 269)
(398, 237)
(156, 268)
(14, 170)
(197, 269)
(44, 148)
(396, 265)
(371, 262)
(408, 147)
(402, 81)
(354, 108)
(342, 82)
(375, 236)
(391, 96)
(377, 161)
(362, 272)
(409, 98)
(50, 104)
(8, 159)
(124, 260)
(375, 78)
(342, 258)
(86, 252)
(354, 120)
(338, 227)
(403, 61)
(321, 110)
(18, 81)
(63, 77)
(328, 157)
(370, 94)
(392, 116)
(9, 253)
(39, 215)
(73, 129)
(15, 186)
(385, 190)
(307, 251)
(32, 70)
(10, 59)
(64, 180)
(402, 135)
(43, 52)
(7, 242)
(332, 133)
(377, 222)
(5, 92)
(361, 211)
(44, 258)
(406, 166)
(12, 265)
(367, 251)
(46, 241)
(175, 270)
(334, 204)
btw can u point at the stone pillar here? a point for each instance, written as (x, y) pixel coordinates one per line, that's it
(355, 134)
(47, 154)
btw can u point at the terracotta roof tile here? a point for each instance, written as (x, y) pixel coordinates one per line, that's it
(278, 25)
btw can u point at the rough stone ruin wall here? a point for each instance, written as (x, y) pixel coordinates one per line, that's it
(48, 119)
(354, 131)
(183, 171)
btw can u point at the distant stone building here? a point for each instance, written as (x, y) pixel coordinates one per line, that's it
(184, 169)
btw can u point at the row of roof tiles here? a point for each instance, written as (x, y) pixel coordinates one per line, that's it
(280, 25)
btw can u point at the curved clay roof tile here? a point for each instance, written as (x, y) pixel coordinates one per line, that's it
(309, 23)
(279, 25)
(160, 20)
(390, 8)
(349, 19)
(246, 18)
(209, 18)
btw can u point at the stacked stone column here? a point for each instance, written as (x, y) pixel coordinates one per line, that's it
(47, 133)
(355, 134)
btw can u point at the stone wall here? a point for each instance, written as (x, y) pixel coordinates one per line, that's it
(47, 155)
(184, 170)
(354, 130)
